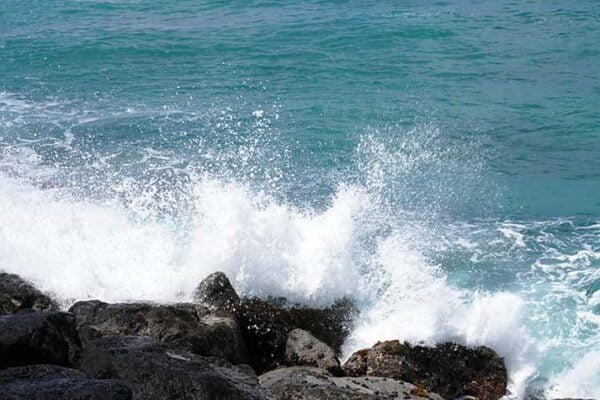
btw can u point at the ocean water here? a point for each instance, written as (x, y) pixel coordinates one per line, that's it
(437, 161)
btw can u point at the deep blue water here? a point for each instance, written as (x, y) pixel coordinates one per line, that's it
(406, 153)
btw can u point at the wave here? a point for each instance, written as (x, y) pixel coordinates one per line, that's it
(145, 223)
(83, 249)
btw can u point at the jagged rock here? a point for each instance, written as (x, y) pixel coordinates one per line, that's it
(302, 348)
(356, 364)
(51, 382)
(188, 326)
(17, 294)
(265, 327)
(448, 369)
(216, 292)
(309, 383)
(155, 371)
(38, 338)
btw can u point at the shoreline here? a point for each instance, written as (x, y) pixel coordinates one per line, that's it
(220, 346)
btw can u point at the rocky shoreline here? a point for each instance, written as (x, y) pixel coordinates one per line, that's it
(219, 346)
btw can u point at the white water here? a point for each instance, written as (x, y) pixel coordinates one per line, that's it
(81, 249)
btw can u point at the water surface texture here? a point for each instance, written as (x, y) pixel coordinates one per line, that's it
(437, 161)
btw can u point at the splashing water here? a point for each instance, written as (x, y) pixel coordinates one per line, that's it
(416, 157)
(155, 239)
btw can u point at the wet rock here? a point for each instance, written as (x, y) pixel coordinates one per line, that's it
(265, 333)
(266, 324)
(17, 294)
(187, 326)
(155, 371)
(51, 382)
(38, 338)
(448, 369)
(309, 383)
(302, 348)
(216, 293)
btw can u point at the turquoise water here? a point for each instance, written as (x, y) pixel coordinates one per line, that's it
(440, 162)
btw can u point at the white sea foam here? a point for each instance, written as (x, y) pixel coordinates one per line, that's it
(580, 381)
(83, 249)
(122, 247)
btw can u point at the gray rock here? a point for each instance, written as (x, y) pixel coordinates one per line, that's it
(51, 382)
(17, 294)
(155, 371)
(38, 338)
(448, 369)
(188, 326)
(309, 383)
(302, 348)
(216, 292)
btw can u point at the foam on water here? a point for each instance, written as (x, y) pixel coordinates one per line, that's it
(580, 381)
(380, 237)
(80, 249)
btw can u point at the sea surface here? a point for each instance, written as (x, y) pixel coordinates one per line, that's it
(438, 161)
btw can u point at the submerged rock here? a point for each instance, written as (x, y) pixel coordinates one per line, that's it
(51, 382)
(38, 338)
(309, 383)
(302, 348)
(448, 369)
(265, 326)
(188, 326)
(16, 295)
(155, 371)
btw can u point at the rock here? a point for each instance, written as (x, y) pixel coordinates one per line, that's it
(265, 326)
(309, 383)
(16, 294)
(448, 369)
(302, 348)
(265, 333)
(38, 338)
(188, 326)
(155, 371)
(216, 292)
(356, 365)
(51, 382)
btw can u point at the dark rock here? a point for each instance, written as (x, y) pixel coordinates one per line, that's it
(265, 326)
(38, 338)
(308, 383)
(51, 382)
(216, 292)
(155, 371)
(265, 333)
(448, 369)
(188, 326)
(302, 348)
(16, 294)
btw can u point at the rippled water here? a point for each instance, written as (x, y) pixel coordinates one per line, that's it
(439, 162)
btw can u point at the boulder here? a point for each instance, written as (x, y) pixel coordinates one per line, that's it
(217, 293)
(16, 294)
(309, 383)
(155, 371)
(302, 348)
(448, 369)
(265, 326)
(51, 382)
(38, 338)
(187, 326)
